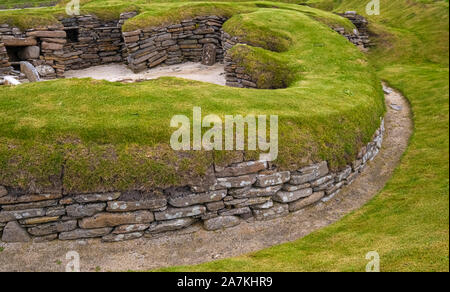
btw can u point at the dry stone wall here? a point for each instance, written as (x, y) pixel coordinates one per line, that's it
(84, 41)
(235, 75)
(91, 42)
(194, 40)
(360, 36)
(248, 190)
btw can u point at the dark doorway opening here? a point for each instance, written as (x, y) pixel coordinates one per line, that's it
(13, 55)
(72, 34)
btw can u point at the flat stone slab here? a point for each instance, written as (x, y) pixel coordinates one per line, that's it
(171, 225)
(13, 232)
(221, 222)
(175, 213)
(84, 233)
(116, 219)
(287, 197)
(197, 198)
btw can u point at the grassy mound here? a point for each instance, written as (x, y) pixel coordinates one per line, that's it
(99, 136)
(408, 222)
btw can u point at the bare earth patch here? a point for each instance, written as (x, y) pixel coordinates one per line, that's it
(119, 72)
(195, 245)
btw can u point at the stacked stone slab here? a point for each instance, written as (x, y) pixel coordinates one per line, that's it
(52, 40)
(235, 75)
(5, 66)
(97, 42)
(360, 36)
(174, 44)
(36, 45)
(245, 190)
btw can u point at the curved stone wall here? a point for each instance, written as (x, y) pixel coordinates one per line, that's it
(251, 190)
(84, 41)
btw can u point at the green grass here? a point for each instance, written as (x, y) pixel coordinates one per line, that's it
(9, 4)
(408, 222)
(112, 136)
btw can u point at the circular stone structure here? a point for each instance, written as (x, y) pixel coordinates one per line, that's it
(92, 159)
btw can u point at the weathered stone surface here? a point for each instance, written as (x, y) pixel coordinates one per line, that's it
(251, 192)
(56, 211)
(293, 188)
(278, 210)
(335, 187)
(52, 46)
(286, 197)
(235, 182)
(84, 233)
(171, 225)
(309, 173)
(45, 70)
(3, 191)
(131, 33)
(47, 34)
(19, 42)
(39, 220)
(343, 174)
(147, 204)
(300, 204)
(243, 168)
(234, 202)
(221, 222)
(273, 179)
(214, 206)
(13, 232)
(130, 228)
(116, 219)
(266, 205)
(90, 198)
(10, 199)
(327, 185)
(29, 71)
(31, 52)
(46, 238)
(321, 181)
(351, 177)
(175, 213)
(253, 201)
(122, 237)
(26, 206)
(300, 179)
(209, 54)
(80, 211)
(51, 228)
(236, 211)
(185, 200)
(6, 216)
(320, 169)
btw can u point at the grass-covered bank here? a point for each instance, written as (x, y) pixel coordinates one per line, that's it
(408, 222)
(100, 136)
(19, 4)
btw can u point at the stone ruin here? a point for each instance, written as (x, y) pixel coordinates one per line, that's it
(84, 41)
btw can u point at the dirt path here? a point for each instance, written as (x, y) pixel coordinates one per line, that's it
(119, 72)
(196, 245)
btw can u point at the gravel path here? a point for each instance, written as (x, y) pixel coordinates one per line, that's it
(196, 245)
(119, 72)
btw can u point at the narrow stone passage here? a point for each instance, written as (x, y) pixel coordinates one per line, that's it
(195, 245)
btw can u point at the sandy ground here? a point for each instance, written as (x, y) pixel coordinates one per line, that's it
(119, 72)
(195, 245)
